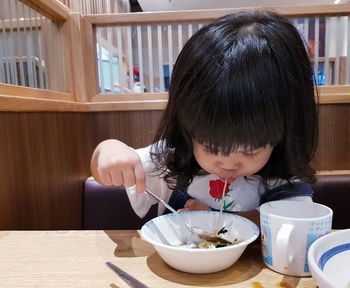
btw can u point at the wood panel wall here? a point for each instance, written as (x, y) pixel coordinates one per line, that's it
(333, 151)
(45, 157)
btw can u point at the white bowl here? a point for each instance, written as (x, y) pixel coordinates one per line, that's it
(167, 232)
(329, 260)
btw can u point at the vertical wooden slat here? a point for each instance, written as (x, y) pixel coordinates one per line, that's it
(96, 6)
(160, 58)
(89, 58)
(150, 57)
(326, 51)
(103, 7)
(93, 7)
(99, 7)
(337, 50)
(190, 30)
(73, 57)
(110, 56)
(29, 38)
(3, 62)
(140, 57)
(316, 47)
(32, 42)
(179, 32)
(84, 7)
(130, 62)
(120, 56)
(306, 30)
(35, 57)
(347, 73)
(41, 56)
(109, 10)
(89, 7)
(100, 62)
(170, 49)
(59, 55)
(12, 48)
(53, 53)
(19, 41)
(295, 22)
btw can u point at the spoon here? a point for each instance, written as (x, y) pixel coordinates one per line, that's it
(196, 231)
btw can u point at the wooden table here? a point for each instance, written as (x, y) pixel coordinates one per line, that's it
(77, 259)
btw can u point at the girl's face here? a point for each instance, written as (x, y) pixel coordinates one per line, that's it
(238, 163)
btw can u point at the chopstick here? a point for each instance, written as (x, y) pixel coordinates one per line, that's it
(222, 205)
(127, 278)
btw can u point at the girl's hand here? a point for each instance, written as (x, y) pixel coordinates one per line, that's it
(115, 163)
(195, 205)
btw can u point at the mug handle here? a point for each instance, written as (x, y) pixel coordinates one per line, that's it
(282, 245)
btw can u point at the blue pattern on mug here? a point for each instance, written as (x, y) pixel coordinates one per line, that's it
(266, 245)
(316, 229)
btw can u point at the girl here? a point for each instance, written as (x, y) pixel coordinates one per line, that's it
(241, 109)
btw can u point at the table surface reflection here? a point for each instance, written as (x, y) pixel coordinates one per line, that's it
(77, 259)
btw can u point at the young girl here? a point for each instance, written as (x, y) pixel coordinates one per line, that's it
(241, 109)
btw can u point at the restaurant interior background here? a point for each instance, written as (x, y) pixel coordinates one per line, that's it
(74, 73)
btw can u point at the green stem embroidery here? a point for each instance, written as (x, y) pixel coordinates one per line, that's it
(228, 205)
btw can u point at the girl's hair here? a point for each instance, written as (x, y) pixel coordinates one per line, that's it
(244, 80)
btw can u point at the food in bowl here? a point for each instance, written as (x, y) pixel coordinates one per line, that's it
(218, 243)
(168, 234)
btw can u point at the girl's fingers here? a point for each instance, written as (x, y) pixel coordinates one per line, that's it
(183, 210)
(129, 177)
(189, 203)
(104, 178)
(116, 177)
(140, 178)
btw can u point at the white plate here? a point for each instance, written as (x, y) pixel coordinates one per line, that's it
(329, 260)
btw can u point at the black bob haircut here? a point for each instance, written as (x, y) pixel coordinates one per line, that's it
(244, 80)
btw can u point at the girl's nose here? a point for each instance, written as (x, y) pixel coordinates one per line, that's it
(230, 163)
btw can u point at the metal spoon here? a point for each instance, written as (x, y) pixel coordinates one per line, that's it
(196, 231)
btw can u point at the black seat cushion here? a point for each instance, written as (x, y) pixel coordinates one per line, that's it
(334, 192)
(108, 208)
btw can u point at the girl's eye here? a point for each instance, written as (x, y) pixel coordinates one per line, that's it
(251, 154)
(209, 151)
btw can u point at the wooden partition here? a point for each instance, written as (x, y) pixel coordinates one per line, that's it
(44, 158)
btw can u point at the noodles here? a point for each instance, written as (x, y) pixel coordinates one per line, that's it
(219, 244)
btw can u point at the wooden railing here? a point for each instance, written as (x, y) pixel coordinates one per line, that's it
(99, 54)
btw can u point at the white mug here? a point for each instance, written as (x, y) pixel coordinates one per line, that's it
(288, 228)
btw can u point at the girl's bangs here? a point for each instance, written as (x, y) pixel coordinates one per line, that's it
(238, 111)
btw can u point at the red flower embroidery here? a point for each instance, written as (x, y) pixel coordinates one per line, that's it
(216, 188)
